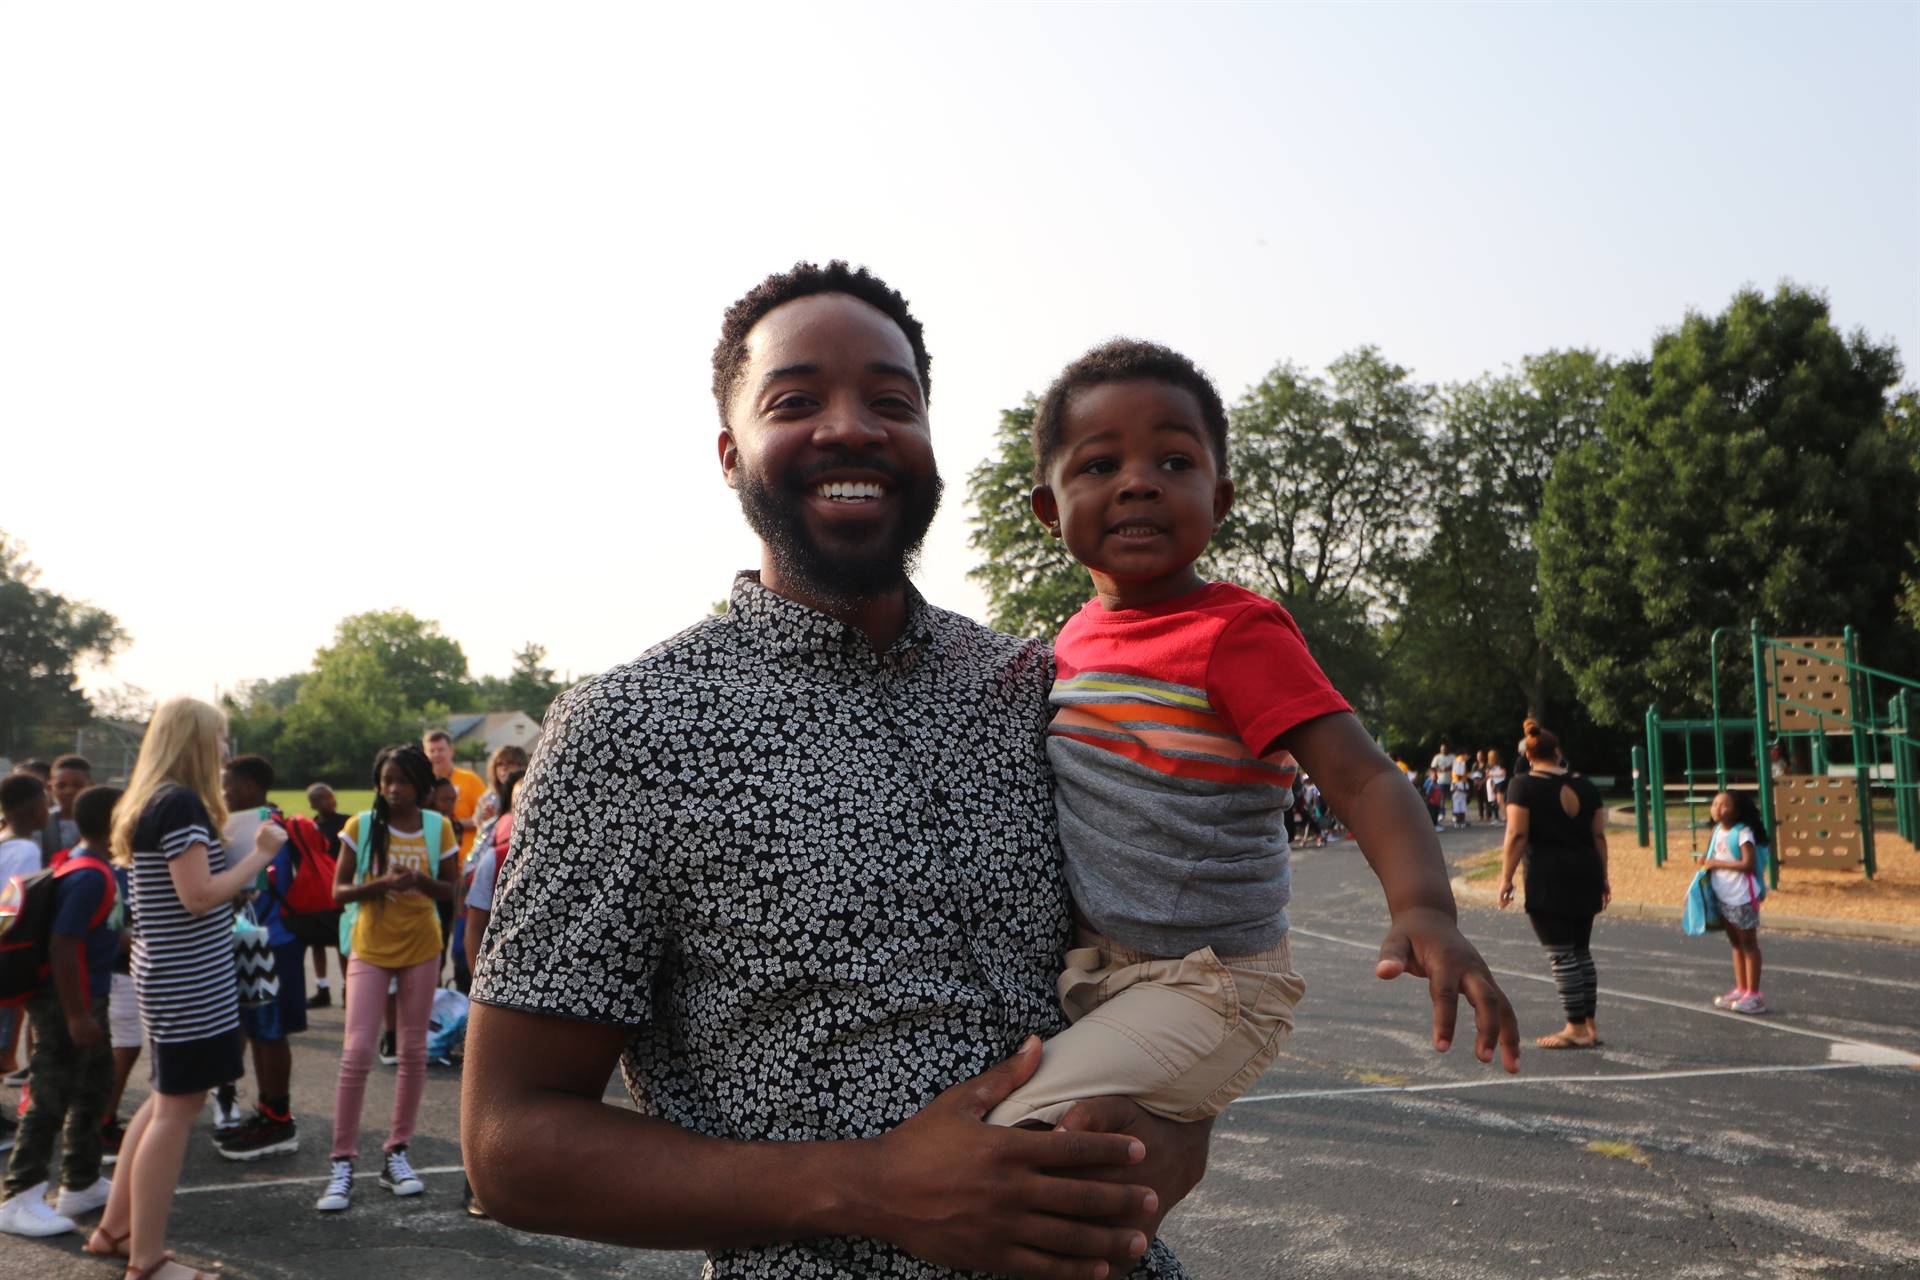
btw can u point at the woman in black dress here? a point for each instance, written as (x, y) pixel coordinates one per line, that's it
(1555, 820)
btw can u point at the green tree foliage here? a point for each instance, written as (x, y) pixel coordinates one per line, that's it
(44, 637)
(1750, 467)
(1033, 586)
(1466, 657)
(1332, 480)
(529, 687)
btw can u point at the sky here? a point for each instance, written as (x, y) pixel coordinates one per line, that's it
(310, 310)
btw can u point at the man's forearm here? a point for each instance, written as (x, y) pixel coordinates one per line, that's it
(563, 1164)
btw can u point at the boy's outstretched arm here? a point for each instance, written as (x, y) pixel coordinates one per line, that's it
(1388, 820)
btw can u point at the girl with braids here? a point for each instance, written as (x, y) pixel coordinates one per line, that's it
(397, 863)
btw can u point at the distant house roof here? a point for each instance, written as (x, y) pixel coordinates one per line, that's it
(461, 726)
(486, 725)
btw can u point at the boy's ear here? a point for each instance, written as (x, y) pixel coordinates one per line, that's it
(1222, 500)
(1046, 509)
(729, 455)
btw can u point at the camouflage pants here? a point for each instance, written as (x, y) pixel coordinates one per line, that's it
(69, 1088)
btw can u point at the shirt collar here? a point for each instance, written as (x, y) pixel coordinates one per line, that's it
(791, 629)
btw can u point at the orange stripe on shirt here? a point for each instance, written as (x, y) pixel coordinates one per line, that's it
(1203, 770)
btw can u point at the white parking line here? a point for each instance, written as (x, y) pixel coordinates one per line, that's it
(1623, 1077)
(320, 1181)
(1767, 1023)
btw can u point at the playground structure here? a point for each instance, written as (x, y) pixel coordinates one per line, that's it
(1811, 695)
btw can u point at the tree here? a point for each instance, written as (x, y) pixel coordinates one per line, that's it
(43, 637)
(1750, 467)
(1033, 586)
(1467, 658)
(530, 687)
(387, 676)
(1332, 482)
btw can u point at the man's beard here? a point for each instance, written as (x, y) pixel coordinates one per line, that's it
(839, 577)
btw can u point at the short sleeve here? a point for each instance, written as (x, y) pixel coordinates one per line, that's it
(180, 822)
(578, 927)
(480, 892)
(80, 896)
(1262, 678)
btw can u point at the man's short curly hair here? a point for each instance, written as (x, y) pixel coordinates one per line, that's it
(805, 280)
(1125, 360)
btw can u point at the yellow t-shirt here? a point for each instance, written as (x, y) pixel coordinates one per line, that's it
(470, 788)
(401, 931)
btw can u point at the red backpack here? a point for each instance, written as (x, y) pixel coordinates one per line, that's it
(26, 924)
(311, 893)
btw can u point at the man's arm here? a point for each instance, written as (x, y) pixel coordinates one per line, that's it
(1368, 793)
(547, 1154)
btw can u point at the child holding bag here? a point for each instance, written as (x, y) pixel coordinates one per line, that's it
(396, 865)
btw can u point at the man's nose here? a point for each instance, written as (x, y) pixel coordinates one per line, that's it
(848, 426)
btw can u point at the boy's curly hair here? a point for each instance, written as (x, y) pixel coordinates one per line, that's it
(1125, 360)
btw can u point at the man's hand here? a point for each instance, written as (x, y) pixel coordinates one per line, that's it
(84, 1031)
(977, 1197)
(1176, 1157)
(1428, 944)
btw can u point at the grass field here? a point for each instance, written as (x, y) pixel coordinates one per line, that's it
(351, 802)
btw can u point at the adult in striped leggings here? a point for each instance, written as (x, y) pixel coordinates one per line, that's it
(1556, 824)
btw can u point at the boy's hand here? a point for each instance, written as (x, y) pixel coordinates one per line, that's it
(83, 1031)
(977, 1197)
(1428, 944)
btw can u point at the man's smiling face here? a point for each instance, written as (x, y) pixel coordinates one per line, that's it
(828, 448)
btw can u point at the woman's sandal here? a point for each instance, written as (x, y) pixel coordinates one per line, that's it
(154, 1270)
(116, 1246)
(1559, 1040)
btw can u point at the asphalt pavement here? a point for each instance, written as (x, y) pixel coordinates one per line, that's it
(1693, 1144)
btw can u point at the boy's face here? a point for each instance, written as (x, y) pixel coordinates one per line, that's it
(445, 798)
(31, 817)
(240, 793)
(324, 803)
(67, 786)
(828, 447)
(1133, 488)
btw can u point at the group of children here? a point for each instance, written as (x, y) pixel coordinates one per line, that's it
(1454, 781)
(391, 878)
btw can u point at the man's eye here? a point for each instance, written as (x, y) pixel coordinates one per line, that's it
(792, 402)
(894, 404)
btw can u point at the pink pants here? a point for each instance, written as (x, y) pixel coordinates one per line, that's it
(366, 1010)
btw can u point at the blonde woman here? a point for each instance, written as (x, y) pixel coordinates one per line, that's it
(166, 830)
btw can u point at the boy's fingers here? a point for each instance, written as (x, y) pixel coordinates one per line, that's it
(1396, 955)
(1446, 1010)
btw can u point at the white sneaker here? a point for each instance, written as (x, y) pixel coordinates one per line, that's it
(397, 1174)
(29, 1214)
(72, 1204)
(339, 1192)
(226, 1108)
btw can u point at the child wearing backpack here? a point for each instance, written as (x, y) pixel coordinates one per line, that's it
(1733, 855)
(397, 864)
(71, 1074)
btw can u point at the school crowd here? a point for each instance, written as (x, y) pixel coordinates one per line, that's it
(177, 918)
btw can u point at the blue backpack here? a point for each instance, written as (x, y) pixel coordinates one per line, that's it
(433, 826)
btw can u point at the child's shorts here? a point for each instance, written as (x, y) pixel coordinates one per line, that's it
(123, 1013)
(1741, 915)
(1181, 1037)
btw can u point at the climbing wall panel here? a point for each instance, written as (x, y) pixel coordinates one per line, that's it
(1817, 820)
(1802, 683)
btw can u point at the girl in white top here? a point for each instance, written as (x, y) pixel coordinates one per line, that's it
(1733, 855)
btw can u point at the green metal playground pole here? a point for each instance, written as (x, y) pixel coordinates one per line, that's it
(1640, 794)
(1656, 789)
(1713, 677)
(1760, 753)
(1862, 778)
(1903, 799)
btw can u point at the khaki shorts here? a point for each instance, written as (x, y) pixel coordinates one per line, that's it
(1181, 1037)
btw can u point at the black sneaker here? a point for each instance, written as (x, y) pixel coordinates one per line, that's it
(320, 999)
(387, 1055)
(397, 1175)
(261, 1135)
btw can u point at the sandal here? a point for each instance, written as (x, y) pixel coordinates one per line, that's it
(116, 1246)
(154, 1270)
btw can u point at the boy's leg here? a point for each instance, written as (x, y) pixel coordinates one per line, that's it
(51, 1078)
(92, 1086)
(1180, 1037)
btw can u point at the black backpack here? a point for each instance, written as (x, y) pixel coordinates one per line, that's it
(27, 905)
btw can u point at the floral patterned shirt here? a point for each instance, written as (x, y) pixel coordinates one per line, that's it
(820, 884)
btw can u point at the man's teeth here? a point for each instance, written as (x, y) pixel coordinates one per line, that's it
(848, 490)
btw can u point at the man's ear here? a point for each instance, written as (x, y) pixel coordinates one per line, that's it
(1046, 509)
(729, 455)
(1222, 500)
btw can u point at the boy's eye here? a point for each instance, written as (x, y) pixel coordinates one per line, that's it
(1178, 462)
(1098, 467)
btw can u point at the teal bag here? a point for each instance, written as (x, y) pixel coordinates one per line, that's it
(433, 825)
(1702, 909)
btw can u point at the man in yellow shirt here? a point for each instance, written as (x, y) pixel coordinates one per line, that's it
(439, 748)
